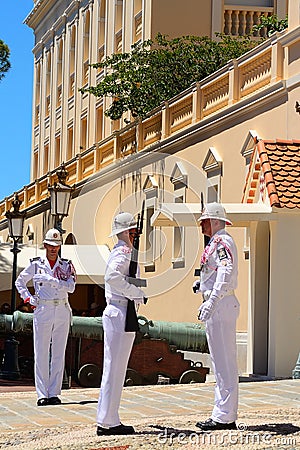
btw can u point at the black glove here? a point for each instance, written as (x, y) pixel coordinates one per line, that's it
(196, 287)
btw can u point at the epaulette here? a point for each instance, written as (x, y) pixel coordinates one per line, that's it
(37, 258)
(65, 259)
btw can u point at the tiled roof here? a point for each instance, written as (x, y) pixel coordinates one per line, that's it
(276, 165)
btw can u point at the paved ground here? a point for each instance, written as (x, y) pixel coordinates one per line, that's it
(164, 417)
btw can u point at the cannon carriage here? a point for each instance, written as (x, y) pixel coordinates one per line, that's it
(156, 355)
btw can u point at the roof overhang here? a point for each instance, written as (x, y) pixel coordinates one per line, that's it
(89, 262)
(187, 214)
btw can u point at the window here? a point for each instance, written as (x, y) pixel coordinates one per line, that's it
(46, 159)
(118, 26)
(150, 189)
(179, 179)
(101, 32)
(99, 123)
(213, 168)
(59, 73)
(86, 44)
(72, 61)
(83, 136)
(35, 164)
(137, 21)
(48, 84)
(57, 152)
(70, 143)
(248, 147)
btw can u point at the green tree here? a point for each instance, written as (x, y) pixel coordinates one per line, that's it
(271, 24)
(156, 70)
(4, 59)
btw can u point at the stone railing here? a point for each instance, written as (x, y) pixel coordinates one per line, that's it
(239, 20)
(258, 69)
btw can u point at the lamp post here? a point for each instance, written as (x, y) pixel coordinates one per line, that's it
(10, 369)
(60, 198)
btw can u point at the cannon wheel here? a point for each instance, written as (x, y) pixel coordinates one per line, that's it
(191, 376)
(26, 365)
(152, 378)
(89, 375)
(133, 378)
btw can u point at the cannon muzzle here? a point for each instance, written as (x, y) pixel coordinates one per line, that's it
(5, 323)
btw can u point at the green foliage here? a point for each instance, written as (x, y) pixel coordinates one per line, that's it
(272, 24)
(4, 59)
(156, 70)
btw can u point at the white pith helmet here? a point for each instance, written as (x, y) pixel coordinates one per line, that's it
(122, 222)
(53, 237)
(214, 211)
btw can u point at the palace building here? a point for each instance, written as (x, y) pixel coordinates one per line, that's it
(232, 137)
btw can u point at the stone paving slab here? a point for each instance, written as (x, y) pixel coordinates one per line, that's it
(144, 407)
(19, 410)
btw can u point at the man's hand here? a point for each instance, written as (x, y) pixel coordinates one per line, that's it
(139, 301)
(32, 302)
(207, 310)
(42, 278)
(196, 287)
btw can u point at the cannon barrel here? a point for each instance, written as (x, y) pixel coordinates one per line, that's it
(82, 327)
(184, 335)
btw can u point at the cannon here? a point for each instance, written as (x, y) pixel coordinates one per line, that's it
(154, 359)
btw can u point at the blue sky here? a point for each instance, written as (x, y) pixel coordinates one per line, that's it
(16, 97)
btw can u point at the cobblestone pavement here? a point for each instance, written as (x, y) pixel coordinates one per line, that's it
(163, 416)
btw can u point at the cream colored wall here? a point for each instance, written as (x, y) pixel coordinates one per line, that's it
(284, 316)
(293, 13)
(178, 18)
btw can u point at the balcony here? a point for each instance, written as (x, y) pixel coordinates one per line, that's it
(239, 20)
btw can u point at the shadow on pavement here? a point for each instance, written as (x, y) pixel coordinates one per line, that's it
(276, 428)
(170, 432)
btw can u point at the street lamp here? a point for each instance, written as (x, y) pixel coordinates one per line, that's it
(15, 220)
(10, 369)
(60, 197)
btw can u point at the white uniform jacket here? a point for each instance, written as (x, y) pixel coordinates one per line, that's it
(117, 270)
(48, 283)
(219, 269)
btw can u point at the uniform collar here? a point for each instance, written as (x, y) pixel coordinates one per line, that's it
(121, 243)
(46, 262)
(217, 233)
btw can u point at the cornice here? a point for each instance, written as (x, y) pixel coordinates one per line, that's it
(42, 8)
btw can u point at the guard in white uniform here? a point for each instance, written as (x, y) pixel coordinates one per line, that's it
(53, 278)
(117, 343)
(219, 311)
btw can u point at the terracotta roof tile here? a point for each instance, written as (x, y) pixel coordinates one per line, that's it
(280, 164)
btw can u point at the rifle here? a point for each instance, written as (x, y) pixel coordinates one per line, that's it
(131, 323)
(206, 238)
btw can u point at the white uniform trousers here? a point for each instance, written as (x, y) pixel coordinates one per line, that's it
(117, 349)
(221, 337)
(51, 325)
